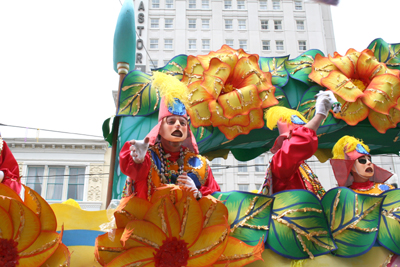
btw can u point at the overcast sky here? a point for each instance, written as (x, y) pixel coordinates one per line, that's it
(56, 69)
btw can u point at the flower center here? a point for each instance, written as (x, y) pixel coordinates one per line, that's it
(227, 88)
(173, 252)
(360, 84)
(8, 253)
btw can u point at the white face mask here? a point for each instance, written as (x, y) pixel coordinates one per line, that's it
(363, 167)
(174, 128)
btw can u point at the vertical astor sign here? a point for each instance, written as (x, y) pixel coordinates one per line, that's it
(125, 36)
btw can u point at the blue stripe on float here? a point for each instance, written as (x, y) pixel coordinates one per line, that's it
(80, 237)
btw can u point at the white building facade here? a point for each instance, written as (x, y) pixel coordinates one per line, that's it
(61, 169)
(269, 28)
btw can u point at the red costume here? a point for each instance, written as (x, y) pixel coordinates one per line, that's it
(9, 166)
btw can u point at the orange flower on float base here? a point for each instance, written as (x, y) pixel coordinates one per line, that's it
(28, 234)
(364, 86)
(173, 229)
(227, 89)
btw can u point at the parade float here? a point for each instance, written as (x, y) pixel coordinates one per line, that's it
(229, 90)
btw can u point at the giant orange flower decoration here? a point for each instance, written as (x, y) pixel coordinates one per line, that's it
(228, 90)
(28, 234)
(173, 229)
(364, 86)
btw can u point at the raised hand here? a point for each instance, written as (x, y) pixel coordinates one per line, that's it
(325, 101)
(139, 149)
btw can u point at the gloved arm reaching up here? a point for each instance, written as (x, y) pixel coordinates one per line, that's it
(138, 149)
(325, 101)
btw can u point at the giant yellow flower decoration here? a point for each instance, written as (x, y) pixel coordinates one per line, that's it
(364, 86)
(228, 90)
(173, 229)
(28, 234)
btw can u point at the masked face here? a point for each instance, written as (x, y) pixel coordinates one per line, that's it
(363, 167)
(174, 128)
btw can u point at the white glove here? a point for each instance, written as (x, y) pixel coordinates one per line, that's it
(1, 176)
(186, 181)
(325, 101)
(139, 149)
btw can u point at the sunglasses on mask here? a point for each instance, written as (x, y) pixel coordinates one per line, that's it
(363, 160)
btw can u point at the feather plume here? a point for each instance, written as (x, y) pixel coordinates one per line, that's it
(170, 88)
(278, 113)
(346, 144)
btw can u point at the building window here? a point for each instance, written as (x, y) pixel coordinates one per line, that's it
(263, 5)
(228, 24)
(192, 43)
(278, 24)
(155, 3)
(243, 44)
(240, 5)
(279, 45)
(276, 5)
(192, 3)
(205, 4)
(264, 25)
(205, 44)
(205, 24)
(266, 46)
(216, 165)
(192, 23)
(229, 42)
(154, 23)
(298, 5)
(57, 182)
(169, 3)
(302, 45)
(242, 24)
(300, 24)
(227, 4)
(153, 63)
(168, 44)
(153, 43)
(242, 166)
(259, 161)
(169, 23)
(166, 61)
(243, 187)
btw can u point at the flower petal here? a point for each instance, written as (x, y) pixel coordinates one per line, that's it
(368, 66)
(321, 68)
(26, 225)
(200, 115)
(247, 72)
(193, 71)
(38, 205)
(218, 118)
(165, 216)
(226, 55)
(219, 69)
(6, 224)
(192, 219)
(60, 257)
(214, 212)
(107, 249)
(43, 247)
(382, 122)
(347, 63)
(142, 233)
(139, 254)
(209, 246)
(382, 93)
(172, 191)
(268, 98)
(352, 112)
(240, 101)
(256, 122)
(8, 192)
(130, 208)
(342, 86)
(237, 253)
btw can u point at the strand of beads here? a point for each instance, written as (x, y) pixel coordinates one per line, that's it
(165, 169)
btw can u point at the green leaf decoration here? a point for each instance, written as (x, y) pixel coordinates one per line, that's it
(275, 65)
(175, 66)
(386, 53)
(353, 219)
(281, 96)
(249, 215)
(136, 96)
(298, 229)
(108, 131)
(294, 91)
(300, 67)
(202, 134)
(307, 106)
(389, 228)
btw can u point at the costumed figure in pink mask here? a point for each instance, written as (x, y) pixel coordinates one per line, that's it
(297, 141)
(169, 153)
(353, 167)
(9, 170)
